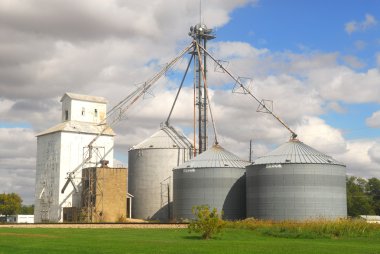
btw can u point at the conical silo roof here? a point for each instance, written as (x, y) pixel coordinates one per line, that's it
(166, 137)
(215, 157)
(295, 151)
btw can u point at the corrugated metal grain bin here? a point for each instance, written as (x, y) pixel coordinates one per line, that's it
(296, 182)
(215, 178)
(150, 166)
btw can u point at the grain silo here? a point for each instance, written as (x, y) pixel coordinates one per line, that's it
(296, 182)
(62, 148)
(150, 166)
(215, 178)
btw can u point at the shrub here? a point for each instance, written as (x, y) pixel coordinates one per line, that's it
(206, 222)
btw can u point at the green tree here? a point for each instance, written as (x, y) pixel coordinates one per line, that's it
(206, 222)
(27, 209)
(10, 204)
(373, 187)
(359, 201)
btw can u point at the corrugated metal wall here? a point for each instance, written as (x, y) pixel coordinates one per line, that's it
(296, 191)
(150, 179)
(221, 188)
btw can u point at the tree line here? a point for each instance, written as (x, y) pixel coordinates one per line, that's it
(363, 196)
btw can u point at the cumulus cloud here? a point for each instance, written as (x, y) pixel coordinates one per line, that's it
(17, 162)
(353, 62)
(354, 26)
(374, 153)
(316, 133)
(374, 120)
(92, 47)
(358, 160)
(342, 83)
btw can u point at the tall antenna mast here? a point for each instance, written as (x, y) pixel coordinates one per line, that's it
(200, 11)
(201, 34)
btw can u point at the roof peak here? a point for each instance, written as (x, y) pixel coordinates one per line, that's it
(83, 97)
(78, 127)
(215, 157)
(295, 151)
(166, 137)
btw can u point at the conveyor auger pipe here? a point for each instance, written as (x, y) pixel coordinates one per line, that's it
(116, 113)
(294, 135)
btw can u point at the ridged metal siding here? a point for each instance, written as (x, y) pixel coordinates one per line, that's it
(296, 182)
(215, 178)
(150, 166)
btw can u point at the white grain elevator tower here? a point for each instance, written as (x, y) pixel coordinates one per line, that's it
(62, 149)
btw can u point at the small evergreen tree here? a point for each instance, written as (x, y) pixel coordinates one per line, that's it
(207, 222)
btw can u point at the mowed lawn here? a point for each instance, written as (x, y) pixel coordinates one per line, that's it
(47, 240)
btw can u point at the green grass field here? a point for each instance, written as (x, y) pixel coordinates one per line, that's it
(44, 240)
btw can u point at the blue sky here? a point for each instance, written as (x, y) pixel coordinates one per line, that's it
(314, 26)
(305, 25)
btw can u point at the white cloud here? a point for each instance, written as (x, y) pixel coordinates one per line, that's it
(351, 27)
(374, 153)
(374, 120)
(49, 47)
(335, 106)
(354, 26)
(369, 21)
(17, 162)
(344, 84)
(360, 45)
(316, 133)
(353, 62)
(358, 160)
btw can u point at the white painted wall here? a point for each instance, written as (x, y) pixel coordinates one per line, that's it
(21, 218)
(72, 155)
(57, 154)
(60, 152)
(47, 175)
(83, 111)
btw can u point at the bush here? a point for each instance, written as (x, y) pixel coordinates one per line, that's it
(206, 222)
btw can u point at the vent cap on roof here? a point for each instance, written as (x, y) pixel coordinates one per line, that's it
(215, 157)
(295, 151)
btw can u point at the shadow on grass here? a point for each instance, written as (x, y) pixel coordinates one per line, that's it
(198, 237)
(192, 237)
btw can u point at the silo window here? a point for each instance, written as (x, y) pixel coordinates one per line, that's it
(96, 113)
(83, 111)
(66, 115)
